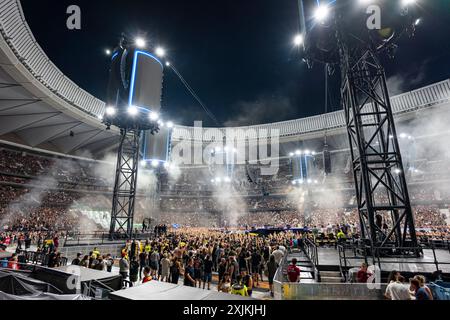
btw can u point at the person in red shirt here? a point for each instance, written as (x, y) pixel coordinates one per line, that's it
(293, 272)
(147, 276)
(362, 274)
(13, 262)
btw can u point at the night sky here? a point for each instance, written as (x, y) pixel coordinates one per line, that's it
(236, 54)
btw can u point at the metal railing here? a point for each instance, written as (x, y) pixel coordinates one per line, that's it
(310, 249)
(98, 238)
(380, 256)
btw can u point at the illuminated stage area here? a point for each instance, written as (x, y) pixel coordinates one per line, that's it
(198, 165)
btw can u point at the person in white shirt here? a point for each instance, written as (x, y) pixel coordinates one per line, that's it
(278, 254)
(396, 289)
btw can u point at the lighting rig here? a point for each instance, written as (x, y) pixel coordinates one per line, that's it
(133, 104)
(350, 35)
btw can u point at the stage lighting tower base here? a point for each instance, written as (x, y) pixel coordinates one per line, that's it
(125, 185)
(380, 179)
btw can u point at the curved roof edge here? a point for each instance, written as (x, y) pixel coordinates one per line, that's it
(437, 94)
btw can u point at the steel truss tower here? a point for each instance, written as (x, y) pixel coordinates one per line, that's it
(379, 177)
(125, 184)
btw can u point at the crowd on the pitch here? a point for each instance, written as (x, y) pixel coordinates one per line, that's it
(241, 261)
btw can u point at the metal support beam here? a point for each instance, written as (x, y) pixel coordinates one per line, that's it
(380, 179)
(124, 193)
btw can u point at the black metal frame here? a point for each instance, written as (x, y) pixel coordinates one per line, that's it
(124, 193)
(380, 179)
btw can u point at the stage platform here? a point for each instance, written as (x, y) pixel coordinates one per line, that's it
(329, 257)
(156, 290)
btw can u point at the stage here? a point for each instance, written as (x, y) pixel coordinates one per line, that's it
(329, 257)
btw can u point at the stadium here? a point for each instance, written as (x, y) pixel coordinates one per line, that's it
(244, 208)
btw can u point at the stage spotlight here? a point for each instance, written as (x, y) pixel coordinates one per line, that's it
(170, 124)
(291, 154)
(154, 116)
(160, 124)
(408, 2)
(110, 111)
(212, 180)
(218, 179)
(108, 52)
(227, 179)
(298, 152)
(143, 163)
(397, 171)
(294, 182)
(218, 149)
(166, 165)
(313, 153)
(309, 181)
(100, 117)
(160, 52)
(167, 64)
(403, 135)
(321, 13)
(298, 40)
(140, 43)
(307, 152)
(132, 110)
(417, 22)
(155, 163)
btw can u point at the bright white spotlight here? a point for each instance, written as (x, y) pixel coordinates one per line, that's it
(403, 135)
(298, 152)
(110, 111)
(291, 154)
(161, 124)
(167, 64)
(154, 116)
(212, 180)
(294, 182)
(140, 42)
(301, 181)
(160, 52)
(132, 110)
(218, 149)
(143, 163)
(227, 179)
(170, 124)
(408, 2)
(309, 181)
(298, 40)
(313, 153)
(108, 52)
(307, 152)
(166, 165)
(218, 179)
(155, 163)
(417, 22)
(321, 13)
(100, 117)
(397, 171)
(316, 182)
